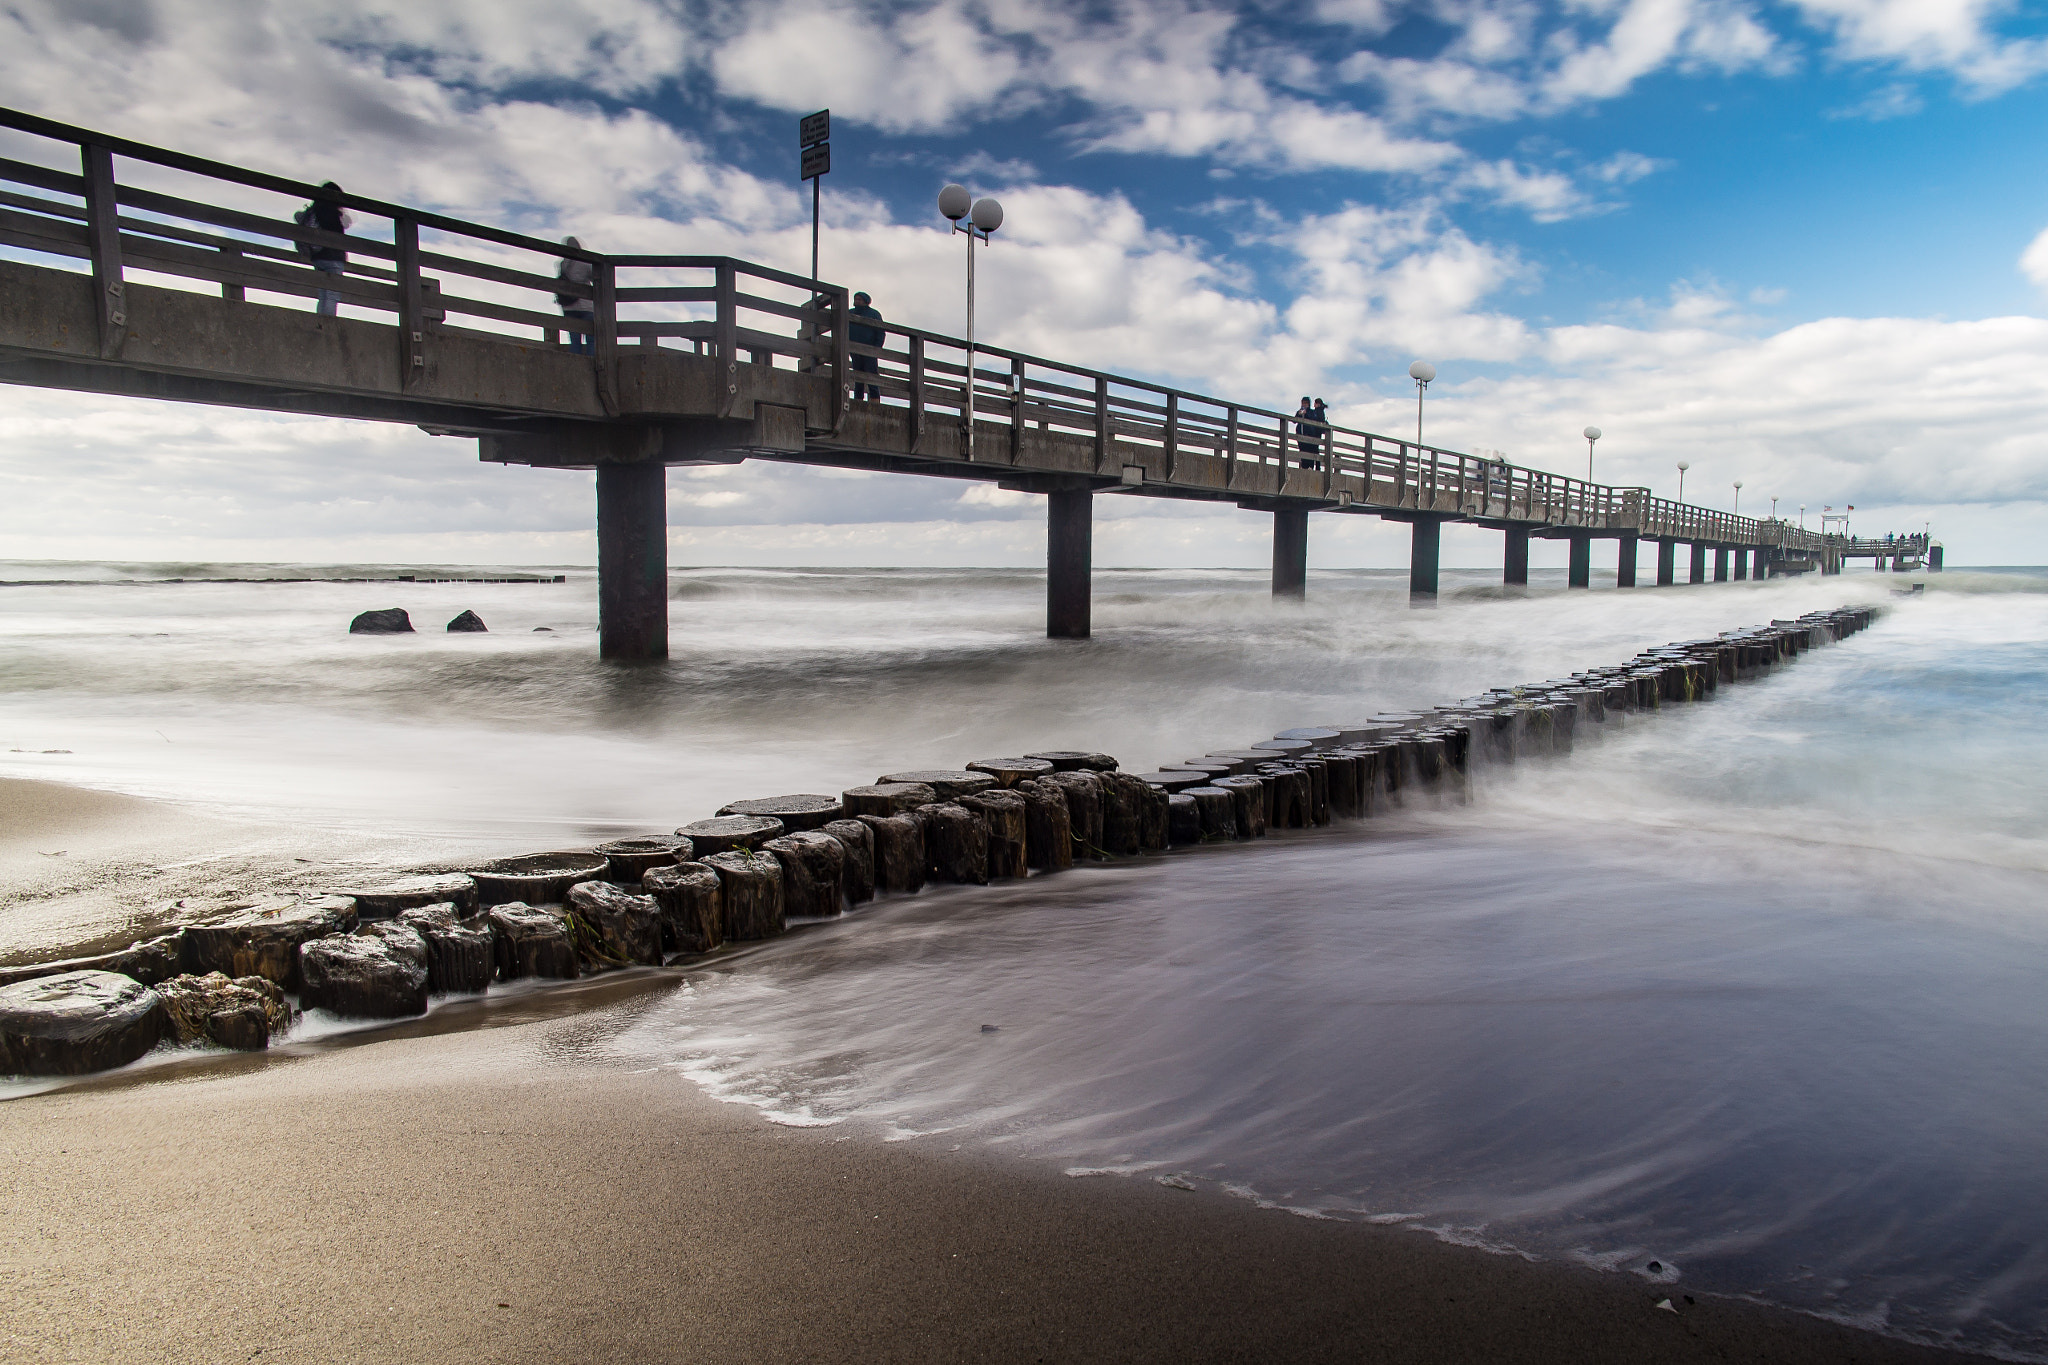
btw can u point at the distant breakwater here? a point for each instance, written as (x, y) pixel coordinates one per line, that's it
(382, 951)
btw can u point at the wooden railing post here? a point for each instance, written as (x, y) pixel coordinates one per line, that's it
(1230, 448)
(606, 278)
(103, 236)
(412, 324)
(1327, 442)
(916, 392)
(1101, 422)
(1172, 431)
(233, 291)
(842, 358)
(1016, 409)
(726, 346)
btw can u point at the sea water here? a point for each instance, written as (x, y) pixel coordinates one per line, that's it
(1743, 997)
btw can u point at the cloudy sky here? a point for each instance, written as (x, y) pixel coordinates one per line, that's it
(1803, 244)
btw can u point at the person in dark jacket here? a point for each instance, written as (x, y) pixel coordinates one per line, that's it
(1322, 427)
(1305, 433)
(578, 310)
(861, 334)
(328, 215)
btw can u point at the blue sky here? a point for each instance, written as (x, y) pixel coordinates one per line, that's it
(1801, 244)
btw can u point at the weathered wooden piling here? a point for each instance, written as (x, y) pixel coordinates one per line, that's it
(801, 812)
(753, 892)
(859, 842)
(1048, 825)
(955, 844)
(813, 873)
(1008, 838)
(1217, 809)
(692, 901)
(1247, 805)
(899, 851)
(887, 798)
(731, 833)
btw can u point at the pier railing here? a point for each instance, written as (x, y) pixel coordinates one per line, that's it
(194, 224)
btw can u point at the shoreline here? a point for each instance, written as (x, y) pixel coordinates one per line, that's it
(381, 1200)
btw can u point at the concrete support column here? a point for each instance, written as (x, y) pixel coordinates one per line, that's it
(1699, 563)
(1514, 561)
(1667, 562)
(1741, 565)
(1290, 554)
(1625, 561)
(1580, 574)
(1069, 562)
(1934, 559)
(1425, 548)
(1720, 563)
(632, 561)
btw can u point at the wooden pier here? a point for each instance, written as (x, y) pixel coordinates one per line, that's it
(168, 276)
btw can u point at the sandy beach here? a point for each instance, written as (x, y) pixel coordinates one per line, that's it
(515, 1192)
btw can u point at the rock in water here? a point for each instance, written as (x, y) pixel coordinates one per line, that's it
(75, 1022)
(147, 960)
(813, 873)
(389, 621)
(692, 905)
(859, 842)
(243, 1015)
(623, 929)
(266, 942)
(460, 959)
(899, 851)
(469, 622)
(753, 892)
(531, 940)
(380, 973)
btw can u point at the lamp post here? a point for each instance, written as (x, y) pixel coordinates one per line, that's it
(1802, 516)
(1421, 372)
(1683, 465)
(1592, 434)
(1774, 509)
(1738, 498)
(983, 217)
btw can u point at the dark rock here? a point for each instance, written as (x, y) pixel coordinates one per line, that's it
(1008, 772)
(75, 1022)
(1083, 791)
(1048, 826)
(461, 957)
(1073, 760)
(813, 873)
(387, 900)
(389, 621)
(692, 905)
(949, 785)
(955, 844)
(614, 927)
(859, 843)
(1003, 813)
(753, 892)
(731, 832)
(147, 960)
(467, 623)
(795, 812)
(1248, 805)
(887, 798)
(243, 1015)
(537, 878)
(266, 942)
(899, 851)
(531, 940)
(628, 860)
(380, 973)
(1184, 819)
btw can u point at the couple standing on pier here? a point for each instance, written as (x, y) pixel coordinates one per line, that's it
(1311, 425)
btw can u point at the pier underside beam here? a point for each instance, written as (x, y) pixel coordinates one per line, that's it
(1425, 550)
(1698, 572)
(1625, 561)
(1069, 562)
(632, 561)
(1580, 574)
(1514, 562)
(1667, 562)
(1290, 552)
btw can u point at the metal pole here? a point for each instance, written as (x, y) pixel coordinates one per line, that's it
(814, 227)
(967, 408)
(1419, 387)
(1589, 459)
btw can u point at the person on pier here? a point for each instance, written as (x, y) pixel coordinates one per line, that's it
(861, 334)
(1305, 431)
(328, 216)
(577, 308)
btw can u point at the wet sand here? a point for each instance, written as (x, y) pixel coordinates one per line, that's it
(517, 1192)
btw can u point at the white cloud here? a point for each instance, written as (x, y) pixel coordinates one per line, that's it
(1932, 35)
(1897, 100)
(2034, 260)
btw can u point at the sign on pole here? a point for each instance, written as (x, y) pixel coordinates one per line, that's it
(817, 161)
(813, 134)
(814, 128)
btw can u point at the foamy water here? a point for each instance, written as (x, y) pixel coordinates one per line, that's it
(1749, 989)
